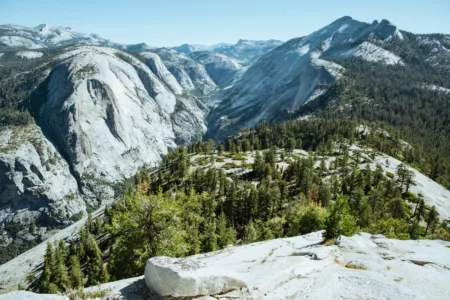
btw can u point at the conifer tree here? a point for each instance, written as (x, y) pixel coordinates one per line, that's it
(225, 235)
(368, 179)
(290, 145)
(324, 195)
(339, 221)
(48, 270)
(378, 176)
(75, 274)
(323, 167)
(209, 239)
(433, 216)
(397, 208)
(251, 235)
(420, 208)
(61, 279)
(93, 261)
(220, 149)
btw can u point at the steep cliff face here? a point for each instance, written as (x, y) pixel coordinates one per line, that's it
(222, 69)
(101, 115)
(36, 183)
(190, 74)
(156, 65)
(103, 112)
(112, 114)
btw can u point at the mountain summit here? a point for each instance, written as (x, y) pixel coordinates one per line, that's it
(298, 71)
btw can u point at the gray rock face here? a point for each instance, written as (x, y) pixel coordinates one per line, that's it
(222, 69)
(113, 116)
(104, 115)
(36, 181)
(190, 74)
(297, 71)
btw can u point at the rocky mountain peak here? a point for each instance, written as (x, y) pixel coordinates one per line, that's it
(386, 30)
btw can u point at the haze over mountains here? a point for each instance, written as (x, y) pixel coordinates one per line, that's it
(103, 110)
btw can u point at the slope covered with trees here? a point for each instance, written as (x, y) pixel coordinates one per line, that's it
(268, 182)
(404, 98)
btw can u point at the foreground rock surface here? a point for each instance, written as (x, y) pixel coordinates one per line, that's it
(364, 266)
(23, 295)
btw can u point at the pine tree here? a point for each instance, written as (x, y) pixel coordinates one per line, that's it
(414, 231)
(209, 239)
(397, 208)
(82, 244)
(48, 270)
(314, 194)
(88, 225)
(220, 149)
(62, 250)
(61, 278)
(222, 231)
(290, 145)
(270, 156)
(258, 165)
(324, 195)
(378, 176)
(104, 275)
(433, 216)
(311, 219)
(420, 208)
(323, 167)
(251, 235)
(345, 160)
(339, 221)
(376, 199)
(265, 233)
(75, 274)
(368, 179)
(93, 261)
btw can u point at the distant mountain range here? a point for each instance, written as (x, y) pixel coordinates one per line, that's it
(47, 36)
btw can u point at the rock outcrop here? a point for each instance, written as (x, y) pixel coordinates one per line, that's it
(222, 69)
(363, 266)
(190, 74)
(188, 277)
(36, 183)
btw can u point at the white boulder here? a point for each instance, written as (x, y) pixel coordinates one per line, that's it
(188, 277)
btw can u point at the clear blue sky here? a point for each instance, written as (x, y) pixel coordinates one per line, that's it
(174, 22)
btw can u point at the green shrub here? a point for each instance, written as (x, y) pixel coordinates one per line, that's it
(390, 175)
